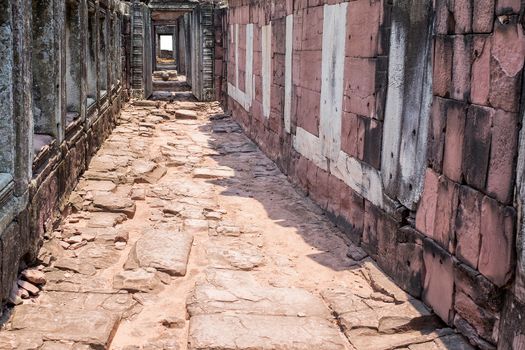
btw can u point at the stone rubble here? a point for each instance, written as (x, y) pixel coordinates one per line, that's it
(183, 235)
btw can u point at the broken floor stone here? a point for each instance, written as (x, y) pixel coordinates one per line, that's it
(75, 265)
(449, 342)
(101, 186)
(115, 204)
(31, 288)
(34, 276)
(185, 114)
(238, 255)
(213, 173)
(93, 327)
(163, 250)
(146, 171)
(238, 291)
(138, 280)
(247, 332)
(104, 220)
(380, 282)
(20, 340)
(369, 339)
(392, 319)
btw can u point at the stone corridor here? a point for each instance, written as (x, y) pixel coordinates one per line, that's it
(185, 236)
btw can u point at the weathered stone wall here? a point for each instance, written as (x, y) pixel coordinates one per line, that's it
(141, 50)
(52, 133)
(401, 120)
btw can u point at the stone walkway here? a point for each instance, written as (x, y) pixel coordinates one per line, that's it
(185, 236)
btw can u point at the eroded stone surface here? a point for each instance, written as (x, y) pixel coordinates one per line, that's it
(163, 250)
(244, 332)
(253, 263)
(91, 327)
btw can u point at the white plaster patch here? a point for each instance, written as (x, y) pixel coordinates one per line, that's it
(249, 66)
(243, 98)
(288, 74)
(332, 83)
(407, 114)
(266, 40)
(325, 150)
(394, 106)
(237, 55)
(309, 146)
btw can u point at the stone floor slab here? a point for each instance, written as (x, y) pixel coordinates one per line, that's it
(163, 250)
(93, 327)
(262, 332)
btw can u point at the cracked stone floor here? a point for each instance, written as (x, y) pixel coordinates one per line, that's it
(185, 236)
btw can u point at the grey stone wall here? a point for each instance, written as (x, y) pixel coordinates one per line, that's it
(49, 74)
(142, 60)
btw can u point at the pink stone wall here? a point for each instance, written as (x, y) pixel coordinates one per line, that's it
(456, 248)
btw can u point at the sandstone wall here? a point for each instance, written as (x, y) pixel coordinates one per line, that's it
(51, 142)
(400, 119)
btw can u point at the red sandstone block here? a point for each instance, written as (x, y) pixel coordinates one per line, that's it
(278, 10)
(312, 3)
(447, 203)
(243, 14)
(363, 28)
(308, 110)
(508, 50)
(436, 137)
(257, 111)
(373, 142)
(508, 7)
(352, 135)
(503, 151)
(455, 131)
(335, 187)
(311, 176)
(444, 23)
(370, 229)
(462, 16)
(480, 75)
(461, 66)
(300, 4)
(289, 7)
(319, 192)
(310, 70)
(496, 258)
(257, 63)
(442, 74)
(298, 18)
(483, 321)
(296, 68)
(300, 171)
(278, 66)
(360, 86)
(312, 32)
(468, 226)
(242, 81)
(478, 288)
(275, 124)
(476, 150)
(352, 211)
(426, 212)
(438, 288)
(482, 16)
(242, 37)
(277, 98)
(278, 36)
(258, 88)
